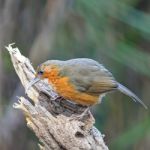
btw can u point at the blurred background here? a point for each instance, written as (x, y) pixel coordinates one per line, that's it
(115, 33)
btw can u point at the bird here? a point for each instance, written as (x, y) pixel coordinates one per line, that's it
(83, 81)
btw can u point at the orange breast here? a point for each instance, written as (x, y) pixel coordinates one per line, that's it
(67, 90)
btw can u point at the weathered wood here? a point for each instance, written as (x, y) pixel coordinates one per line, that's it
(50, 117)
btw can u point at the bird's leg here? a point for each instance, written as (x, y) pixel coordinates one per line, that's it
(82, 115)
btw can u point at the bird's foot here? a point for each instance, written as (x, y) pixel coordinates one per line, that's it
(82, 115)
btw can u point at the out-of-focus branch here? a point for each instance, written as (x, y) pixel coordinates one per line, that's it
(55, 13)
(7, 22)
(1, 74)
(49, 119)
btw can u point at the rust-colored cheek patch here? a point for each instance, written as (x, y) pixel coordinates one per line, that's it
(67, 90)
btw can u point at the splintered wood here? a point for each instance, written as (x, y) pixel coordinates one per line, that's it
(53, 119)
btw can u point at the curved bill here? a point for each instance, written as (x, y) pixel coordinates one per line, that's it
(32, 82)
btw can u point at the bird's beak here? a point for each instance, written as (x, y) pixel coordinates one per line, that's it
(32, 82)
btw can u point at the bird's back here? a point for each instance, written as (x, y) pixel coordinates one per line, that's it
(88, 76)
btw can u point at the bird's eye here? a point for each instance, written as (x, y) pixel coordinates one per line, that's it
(40, 72)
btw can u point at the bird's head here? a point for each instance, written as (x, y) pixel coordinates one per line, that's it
(43, 70)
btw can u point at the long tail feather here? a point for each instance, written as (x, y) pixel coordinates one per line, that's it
(127, 92)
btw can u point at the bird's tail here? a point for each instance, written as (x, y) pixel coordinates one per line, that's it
(127, 92)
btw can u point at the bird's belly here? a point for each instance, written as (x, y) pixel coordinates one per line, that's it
(68, 91)
(78, 97)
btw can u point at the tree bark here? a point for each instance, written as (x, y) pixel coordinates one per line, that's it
(50, 117)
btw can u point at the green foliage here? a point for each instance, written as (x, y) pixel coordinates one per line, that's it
(132, 135)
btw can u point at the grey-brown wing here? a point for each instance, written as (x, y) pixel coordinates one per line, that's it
(89, 76)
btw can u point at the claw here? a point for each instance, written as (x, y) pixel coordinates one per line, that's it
(31, 83)
(82, 115)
